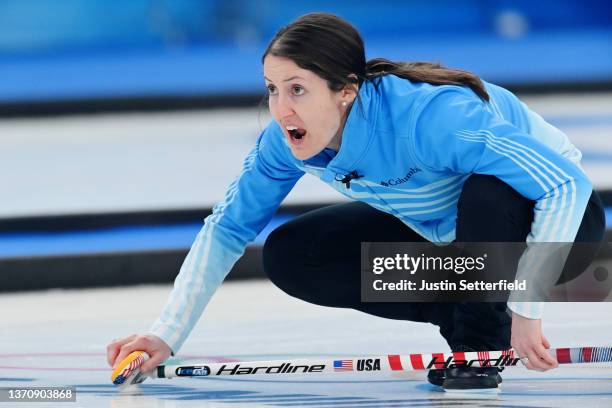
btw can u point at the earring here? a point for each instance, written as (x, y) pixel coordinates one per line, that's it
(344, 103)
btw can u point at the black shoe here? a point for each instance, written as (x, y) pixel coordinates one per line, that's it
(436, 376)
(471, 378)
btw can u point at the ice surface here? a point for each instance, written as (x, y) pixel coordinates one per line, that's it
(59, 338)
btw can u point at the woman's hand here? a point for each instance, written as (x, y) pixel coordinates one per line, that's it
(527, 341)
(155, 347)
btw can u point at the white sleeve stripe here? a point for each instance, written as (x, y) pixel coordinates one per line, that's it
(565, 234)
(455, 193)
(548, 219)
(517, 159)
(534, 163)
(521, 146)
(550, 223)
(183, 307)
(174, 312)
(406, 213)
(551, 231)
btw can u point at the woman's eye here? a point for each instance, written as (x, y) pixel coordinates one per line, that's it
(297, 90)
(271, 89)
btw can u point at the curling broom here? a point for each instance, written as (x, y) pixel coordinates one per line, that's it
(127, 372)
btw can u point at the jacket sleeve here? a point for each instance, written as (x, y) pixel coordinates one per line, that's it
(250, 202)
(455, 131)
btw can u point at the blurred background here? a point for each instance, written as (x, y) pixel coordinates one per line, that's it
(122, 122)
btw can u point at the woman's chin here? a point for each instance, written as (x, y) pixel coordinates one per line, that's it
(302, 154)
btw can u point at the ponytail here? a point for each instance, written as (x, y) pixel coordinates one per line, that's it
(431, 73)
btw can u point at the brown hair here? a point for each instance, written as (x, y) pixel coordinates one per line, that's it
(333, 49)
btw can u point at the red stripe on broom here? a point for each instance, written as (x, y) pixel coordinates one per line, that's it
(563, 355)
(417, 361)
(439, 359)
(395, 362)
(459, 355)
(587, 352)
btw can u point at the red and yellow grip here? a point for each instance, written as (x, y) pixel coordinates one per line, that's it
(128, 367)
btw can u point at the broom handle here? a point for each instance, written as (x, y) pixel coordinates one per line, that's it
(385, 363)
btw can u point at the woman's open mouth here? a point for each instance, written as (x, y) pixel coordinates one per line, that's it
(296, 134)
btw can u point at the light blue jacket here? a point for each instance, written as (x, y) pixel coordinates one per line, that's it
(415, 144)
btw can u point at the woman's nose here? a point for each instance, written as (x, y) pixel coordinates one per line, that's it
(285, 108)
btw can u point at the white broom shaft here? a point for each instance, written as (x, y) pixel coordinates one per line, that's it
(387, 363)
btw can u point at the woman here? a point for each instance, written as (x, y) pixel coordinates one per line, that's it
(430, 154)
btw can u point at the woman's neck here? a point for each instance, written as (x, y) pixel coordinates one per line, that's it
(334, 144)
(336, 141)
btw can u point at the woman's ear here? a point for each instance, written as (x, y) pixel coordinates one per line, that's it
(350, 90)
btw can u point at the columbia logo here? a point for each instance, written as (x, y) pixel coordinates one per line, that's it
(400, 180)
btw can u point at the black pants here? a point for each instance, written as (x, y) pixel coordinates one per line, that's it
(316, 257)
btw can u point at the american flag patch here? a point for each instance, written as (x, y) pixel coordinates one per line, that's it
(343, 365)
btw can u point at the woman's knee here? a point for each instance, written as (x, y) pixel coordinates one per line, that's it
(277, 254)
(287, 261)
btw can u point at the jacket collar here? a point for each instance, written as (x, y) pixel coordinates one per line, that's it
(357, 134)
